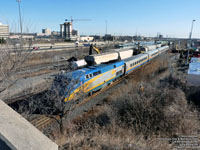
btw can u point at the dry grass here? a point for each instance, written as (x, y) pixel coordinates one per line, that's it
(136, 116)
(134, 119)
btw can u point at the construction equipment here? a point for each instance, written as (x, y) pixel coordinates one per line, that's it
(92, 47)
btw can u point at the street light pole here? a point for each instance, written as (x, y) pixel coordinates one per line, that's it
(106, 30)
(20, 18)
(106, 26)
(190, 41)
(191, 29)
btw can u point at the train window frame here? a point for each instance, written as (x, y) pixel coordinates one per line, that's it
(90, 75)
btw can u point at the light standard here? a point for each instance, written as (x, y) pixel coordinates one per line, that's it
(191, 29)
(20, 18)
(190, 41)
(106, 30)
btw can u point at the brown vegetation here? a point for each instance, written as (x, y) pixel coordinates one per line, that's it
(135, 119)
(136, 116)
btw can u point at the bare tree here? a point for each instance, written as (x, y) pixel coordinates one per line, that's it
(65, 94)
(13, 54)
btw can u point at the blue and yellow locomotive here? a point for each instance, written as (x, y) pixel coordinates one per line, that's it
(90, 79)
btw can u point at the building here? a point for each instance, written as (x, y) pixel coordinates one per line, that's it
(67, 32)
(108, 37)
(26, 36)
(55, 34)
(98, 38)
(86, 39)
(4, 31)
(46, 31)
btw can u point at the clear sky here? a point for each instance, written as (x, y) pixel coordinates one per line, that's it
(124, 17)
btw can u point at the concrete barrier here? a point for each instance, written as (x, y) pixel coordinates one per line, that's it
(18, 134)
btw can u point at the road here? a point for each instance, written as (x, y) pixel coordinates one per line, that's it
(43, 47)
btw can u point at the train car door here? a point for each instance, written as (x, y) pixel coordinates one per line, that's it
(124, 68)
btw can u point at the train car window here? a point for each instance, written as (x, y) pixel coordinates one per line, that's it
(87, 76)
(99, 72)
(95, 73)
(90, 75)
(119, 72)
(114, 66)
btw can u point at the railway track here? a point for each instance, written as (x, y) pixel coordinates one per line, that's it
(43, 121)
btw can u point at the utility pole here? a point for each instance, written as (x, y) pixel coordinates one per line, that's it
(20, 18)
(191, 29)
(106, 30)
(106, 26)
(190, 41)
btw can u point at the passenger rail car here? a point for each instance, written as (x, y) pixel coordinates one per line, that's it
(163, 49)
(135, 62)
(152, 54)
(93, 78)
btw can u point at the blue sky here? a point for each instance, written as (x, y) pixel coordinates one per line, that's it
(124, 17)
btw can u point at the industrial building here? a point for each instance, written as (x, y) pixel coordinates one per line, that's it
(67, 32)
(4, 31)
(46, 31)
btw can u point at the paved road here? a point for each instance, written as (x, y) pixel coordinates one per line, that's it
(56, 47)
